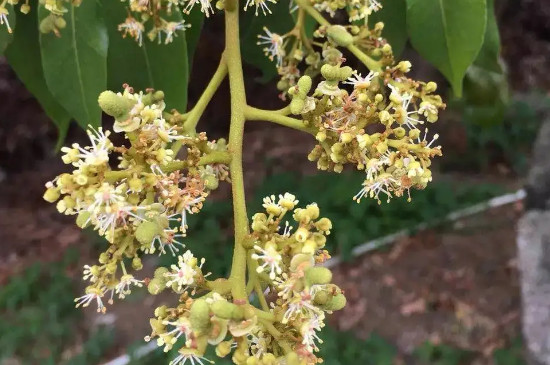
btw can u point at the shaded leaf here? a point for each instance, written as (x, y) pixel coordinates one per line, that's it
(447, 33)
(23, 55)
(394, 16)
(75, 63)
(488, 57)
(5, 35)
(193, 34)
(159, 66)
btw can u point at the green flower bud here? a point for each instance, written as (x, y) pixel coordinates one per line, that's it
(414, 133)
(200, 316)
(156, 286)
(51, 195)
(25, 8)
(224, 348)
(335, 303)
(399, 132)
(346, 137)
(321, 298)
(60, 23)
(297, 105)
(339, 35)
(211, 182)
(313, 210)
(323, 225)
(136, 263)
(160, 311)
(83, 218)
(318, 275)
(114, 105)
(301, 234)
(160, 271)
(146, 232)
(227, 310)
(384, 116)
(135, 184)
(404, 66)
(430, 87)
(320, 239)
(304, 86)
(386, 49)
(321, 136)
(47, 24)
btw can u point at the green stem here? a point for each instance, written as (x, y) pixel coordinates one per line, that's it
(236, 131)
(252, 113)
(371, 64)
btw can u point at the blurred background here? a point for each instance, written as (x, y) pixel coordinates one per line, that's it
(445, 291)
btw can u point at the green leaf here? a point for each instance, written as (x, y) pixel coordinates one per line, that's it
(193, 34)
(280, 21)
(159, 66)
(394, 16)
(75, 64)
(488, 57)
(23, 55)
(5, 36)
(447, 33)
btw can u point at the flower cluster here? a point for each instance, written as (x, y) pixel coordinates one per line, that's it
(53, 22)
(294, 290)
(142, 206)
(159, 16)
(374, 120)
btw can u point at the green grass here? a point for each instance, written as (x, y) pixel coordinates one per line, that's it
(38, 321)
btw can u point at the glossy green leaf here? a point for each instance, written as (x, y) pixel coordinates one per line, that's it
(23, 55)
(75, 64)
(280, 21)
(488, 57)
(394, 16)
(447, 33)
(5, 35)
(159, 66)
(193, 34)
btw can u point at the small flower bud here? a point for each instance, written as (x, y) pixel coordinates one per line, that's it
(399, 132)
(200, 316)
(431, 87)
(339, 35)
(146, 232)
(60, 23)
(156, 286)
(313, 211)
(318, 275)
(136, 263)
(404, 66)
(227, 310)
(83, 218)
(114, 105)
(335, 303)
(346, 137)
(301, 234)
(51, 195)
(25, 8)
(324, 225)
(321, 136)
(224, 348)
